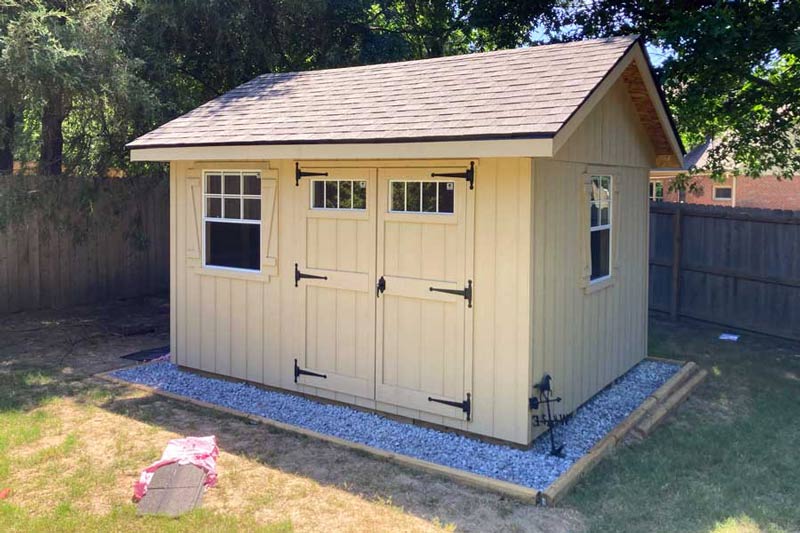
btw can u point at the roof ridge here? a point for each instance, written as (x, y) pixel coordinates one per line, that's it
(457, 57)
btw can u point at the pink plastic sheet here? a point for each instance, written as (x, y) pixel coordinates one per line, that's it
(199, 451)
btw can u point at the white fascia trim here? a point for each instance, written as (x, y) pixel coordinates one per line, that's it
(412, 150)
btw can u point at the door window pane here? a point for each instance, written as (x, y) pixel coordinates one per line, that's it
(422, 196)
(359, 195)
(339, 194)
(345, 195)
(413, 199)
(398, 196)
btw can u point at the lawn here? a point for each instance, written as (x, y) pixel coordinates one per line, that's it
(727, 462)
(71, 447)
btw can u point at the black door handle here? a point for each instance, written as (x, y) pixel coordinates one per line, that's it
(380, 287)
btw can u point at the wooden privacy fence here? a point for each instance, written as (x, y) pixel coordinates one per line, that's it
(69, 241)
(732, 266)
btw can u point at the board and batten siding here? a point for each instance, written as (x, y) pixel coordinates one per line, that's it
(244, 325)
(586, 337)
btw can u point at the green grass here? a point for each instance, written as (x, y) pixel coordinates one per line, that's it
(728, 461)
(29, 406)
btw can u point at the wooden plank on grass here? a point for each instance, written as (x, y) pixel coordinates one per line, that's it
(174, 490)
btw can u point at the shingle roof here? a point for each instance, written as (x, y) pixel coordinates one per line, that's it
(525, 92)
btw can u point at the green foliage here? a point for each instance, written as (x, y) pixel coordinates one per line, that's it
(731, 72)
(110, 70)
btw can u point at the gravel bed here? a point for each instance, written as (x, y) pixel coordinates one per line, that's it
(533, 468)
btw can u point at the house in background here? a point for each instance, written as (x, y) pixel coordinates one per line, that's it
(766, 192)
(427, 239)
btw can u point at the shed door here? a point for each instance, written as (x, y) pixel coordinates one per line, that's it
(423, 338)
(335, 275)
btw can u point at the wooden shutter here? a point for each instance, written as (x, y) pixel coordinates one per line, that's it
(584, 239)
(194, 217)
(269, 221)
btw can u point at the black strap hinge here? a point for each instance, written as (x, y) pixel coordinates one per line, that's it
(301, 372)
(465, 406)
(303, 174)
(300, 275)
(468, 175)
(466, 292)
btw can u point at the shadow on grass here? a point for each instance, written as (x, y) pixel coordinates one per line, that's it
(432, 498)
(727, 461)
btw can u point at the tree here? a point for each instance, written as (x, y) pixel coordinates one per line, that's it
(63, 58)
(731, 71)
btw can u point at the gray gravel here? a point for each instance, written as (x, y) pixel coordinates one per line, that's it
(533, 468)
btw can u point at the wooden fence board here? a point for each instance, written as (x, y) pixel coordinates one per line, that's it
(43, 266)
(732, 266)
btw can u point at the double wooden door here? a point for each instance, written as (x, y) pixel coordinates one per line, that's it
(384, 285)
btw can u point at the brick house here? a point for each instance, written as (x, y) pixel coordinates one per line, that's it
(766, 192)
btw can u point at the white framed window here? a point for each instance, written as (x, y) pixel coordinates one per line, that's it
(600, 222)
(723, 193)
(412, 196)
(656, 191)
(339, 194)
(232, 219)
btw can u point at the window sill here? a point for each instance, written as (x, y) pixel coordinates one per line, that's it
(599, 285)
(230, 273)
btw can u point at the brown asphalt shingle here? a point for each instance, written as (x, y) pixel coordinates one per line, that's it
(522, 92)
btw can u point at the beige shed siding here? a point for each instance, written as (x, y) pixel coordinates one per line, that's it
(587, 338)
(611, 134)
(243, 325)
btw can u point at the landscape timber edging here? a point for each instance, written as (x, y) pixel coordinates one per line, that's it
(503, 487)
(640, 422)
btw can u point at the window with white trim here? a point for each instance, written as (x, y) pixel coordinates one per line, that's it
(656, 191)
(421, 196)
(723, 193)
(339, 194)
(600, 227)
(232, 219)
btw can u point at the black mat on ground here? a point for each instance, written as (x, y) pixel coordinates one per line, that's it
(175, 489)
(147, 355)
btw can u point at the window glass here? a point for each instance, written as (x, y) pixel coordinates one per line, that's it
(656, 191)
(232, 208)
(252, 185)
(232, 219)
(338, 194)
(359, 195)
(723, 193)
(398, 196)
(214, 207)
(233, 183)
(422, 196)
(233, 245)
(600, 226)
(213, 184)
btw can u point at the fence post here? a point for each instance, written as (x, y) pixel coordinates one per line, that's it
(677, 238)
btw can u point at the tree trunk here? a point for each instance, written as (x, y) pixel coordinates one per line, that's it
(7, 143)
(52, 153)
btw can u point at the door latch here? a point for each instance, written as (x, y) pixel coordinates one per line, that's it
(300, 275)
(466, 293)
(380, 287)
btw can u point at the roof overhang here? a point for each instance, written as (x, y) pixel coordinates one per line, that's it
(538, 147)
(671, 154)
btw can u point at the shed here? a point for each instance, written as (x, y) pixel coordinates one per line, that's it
(427, 238)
